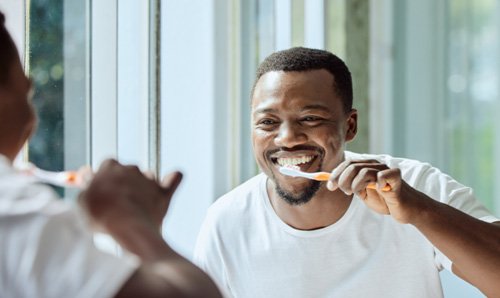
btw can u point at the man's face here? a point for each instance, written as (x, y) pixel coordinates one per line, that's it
(297, 119)
(17, 117)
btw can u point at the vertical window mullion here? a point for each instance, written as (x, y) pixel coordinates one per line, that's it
(104, 34)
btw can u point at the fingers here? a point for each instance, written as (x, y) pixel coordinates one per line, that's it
(358, 176)
(353, 176)
(114, 165)
(361, 181)
(108, 164)
(80, 198)
(391, 177)
(84, 176)
(150, 175)
(169, 183)
(333, 181)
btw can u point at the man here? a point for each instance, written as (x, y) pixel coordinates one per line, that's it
(281, 236)
(47, 248)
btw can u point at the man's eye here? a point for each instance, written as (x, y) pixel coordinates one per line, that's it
(267, 122)
(311, 119)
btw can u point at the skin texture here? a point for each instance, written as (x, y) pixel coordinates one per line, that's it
(284, 126)
(120, 201)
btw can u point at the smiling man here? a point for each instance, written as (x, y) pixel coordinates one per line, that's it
(281, 236)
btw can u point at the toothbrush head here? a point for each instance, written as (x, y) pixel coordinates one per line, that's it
(292, 171)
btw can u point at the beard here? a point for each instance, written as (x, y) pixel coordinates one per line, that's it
(295, 199)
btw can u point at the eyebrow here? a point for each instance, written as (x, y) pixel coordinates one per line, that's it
(308, 107)
(316, 107)
(264, 111)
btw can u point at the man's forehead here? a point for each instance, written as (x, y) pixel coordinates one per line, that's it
(276, 76)
(275, 81)
(302, 88)
(270, 79)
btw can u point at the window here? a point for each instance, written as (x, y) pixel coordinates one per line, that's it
(472, 98)
(94, 65)
(445, 90)
(57, 62)
(95, 83)
(437, 83)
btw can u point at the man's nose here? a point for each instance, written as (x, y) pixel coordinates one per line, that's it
(290, 135)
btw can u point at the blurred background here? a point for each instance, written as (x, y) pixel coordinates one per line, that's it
(165, 84)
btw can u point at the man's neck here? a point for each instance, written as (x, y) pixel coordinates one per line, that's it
(324, 209)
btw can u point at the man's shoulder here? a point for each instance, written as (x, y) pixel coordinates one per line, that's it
(22, 195)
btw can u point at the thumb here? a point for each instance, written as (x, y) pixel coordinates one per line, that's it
(170, 183)
(391, 177)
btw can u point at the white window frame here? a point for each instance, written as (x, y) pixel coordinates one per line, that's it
(120, 82)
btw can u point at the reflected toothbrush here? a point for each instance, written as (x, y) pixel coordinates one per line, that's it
(69, 179)
(320, 176)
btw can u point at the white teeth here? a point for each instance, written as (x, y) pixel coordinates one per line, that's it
(294, 161)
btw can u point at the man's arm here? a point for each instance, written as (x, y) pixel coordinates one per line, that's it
(130, 207)
(472, 245)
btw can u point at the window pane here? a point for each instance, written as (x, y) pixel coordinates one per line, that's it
(57, 63)
(297, 23)
(472, 94)
(335, 27)
(46, 148)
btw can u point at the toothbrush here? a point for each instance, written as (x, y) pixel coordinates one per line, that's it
(71, 179)
(320, 176)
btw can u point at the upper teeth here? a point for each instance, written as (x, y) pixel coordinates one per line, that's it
(294, 161)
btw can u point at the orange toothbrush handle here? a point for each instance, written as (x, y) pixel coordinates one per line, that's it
(323, 176)
(372, 185)
(71, 177)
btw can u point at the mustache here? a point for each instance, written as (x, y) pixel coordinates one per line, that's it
(295, 148)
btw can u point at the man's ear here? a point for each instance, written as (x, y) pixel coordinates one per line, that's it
(351, 125)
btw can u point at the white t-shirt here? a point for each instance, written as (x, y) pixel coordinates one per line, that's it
(46, 249)
(251, 252)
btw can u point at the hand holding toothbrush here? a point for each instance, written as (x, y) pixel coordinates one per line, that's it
(120, 195)
(382, 189)
(391, 196)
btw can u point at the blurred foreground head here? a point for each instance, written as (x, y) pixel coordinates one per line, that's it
(17, 119)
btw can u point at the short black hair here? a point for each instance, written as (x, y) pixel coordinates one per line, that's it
(8, 52)
(304, 59)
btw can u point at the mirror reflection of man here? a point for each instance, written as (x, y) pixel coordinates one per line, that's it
(281, 236)
(47, 248)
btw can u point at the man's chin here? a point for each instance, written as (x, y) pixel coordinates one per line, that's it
(298, 197)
